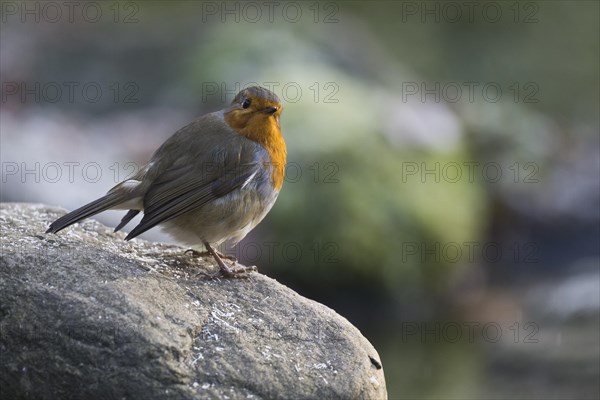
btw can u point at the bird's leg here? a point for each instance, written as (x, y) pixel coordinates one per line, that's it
(196, 253)
(228, 272)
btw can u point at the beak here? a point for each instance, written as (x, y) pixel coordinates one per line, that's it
(270, 110)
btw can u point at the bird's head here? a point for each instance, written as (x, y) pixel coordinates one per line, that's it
(254, 111)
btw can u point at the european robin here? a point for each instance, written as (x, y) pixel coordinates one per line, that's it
(213, 180)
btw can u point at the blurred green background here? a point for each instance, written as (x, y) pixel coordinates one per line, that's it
(443, 187)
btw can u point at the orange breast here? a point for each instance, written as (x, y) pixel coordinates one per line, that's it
(265, 130)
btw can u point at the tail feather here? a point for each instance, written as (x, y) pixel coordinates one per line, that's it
(93, 208)
(128, 217)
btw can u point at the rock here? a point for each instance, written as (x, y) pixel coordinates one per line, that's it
(84, 314)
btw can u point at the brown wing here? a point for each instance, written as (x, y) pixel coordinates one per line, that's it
(188, 184)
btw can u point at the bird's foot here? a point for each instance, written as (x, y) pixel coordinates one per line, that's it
(236, 270)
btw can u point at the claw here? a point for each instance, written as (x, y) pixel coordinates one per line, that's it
(235, 270)
(195, 253)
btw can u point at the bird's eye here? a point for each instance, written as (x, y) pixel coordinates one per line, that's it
(246, 103)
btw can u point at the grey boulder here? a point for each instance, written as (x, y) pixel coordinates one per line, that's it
(84, 314)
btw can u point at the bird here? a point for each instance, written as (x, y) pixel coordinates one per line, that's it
(213, 180)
